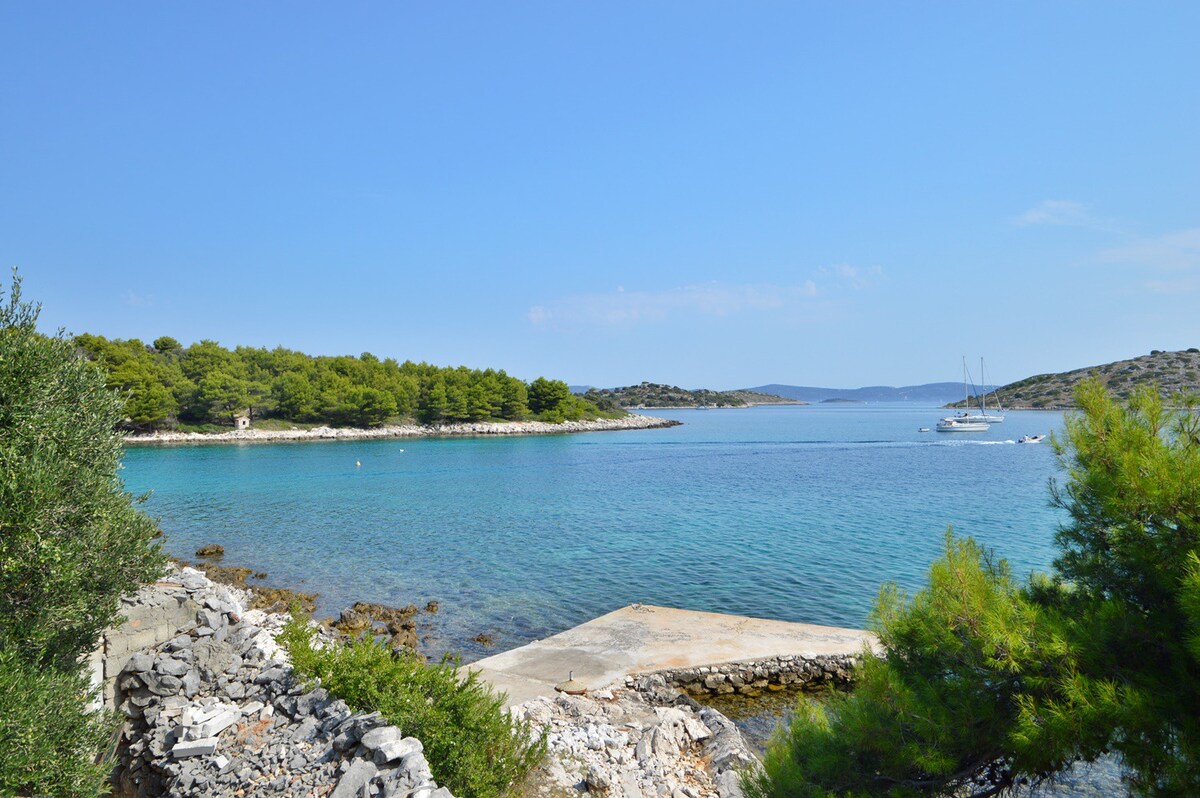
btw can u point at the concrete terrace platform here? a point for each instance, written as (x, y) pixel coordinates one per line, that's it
(643, 639)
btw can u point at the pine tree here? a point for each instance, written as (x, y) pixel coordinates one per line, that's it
(984, 683)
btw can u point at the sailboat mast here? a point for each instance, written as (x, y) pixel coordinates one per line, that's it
(983, 388)
(999, 407)
(966, 396)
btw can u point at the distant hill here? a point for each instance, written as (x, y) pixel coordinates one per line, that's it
(938, 393)
(1172, 372)
(651, 394)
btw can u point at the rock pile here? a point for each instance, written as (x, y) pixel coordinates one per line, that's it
(646, 740)
(217, 711)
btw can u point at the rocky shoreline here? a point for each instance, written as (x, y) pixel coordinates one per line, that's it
(630, 422)
(212, 708)
(215, 710)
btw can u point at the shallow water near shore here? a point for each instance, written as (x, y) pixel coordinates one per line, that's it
(793, 513)
(757, 717)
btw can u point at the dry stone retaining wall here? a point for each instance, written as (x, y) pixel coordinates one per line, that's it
(746, 678)
(152, 616)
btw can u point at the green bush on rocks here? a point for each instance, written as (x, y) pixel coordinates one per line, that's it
(474, 747)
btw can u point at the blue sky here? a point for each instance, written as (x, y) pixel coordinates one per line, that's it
(707, 194)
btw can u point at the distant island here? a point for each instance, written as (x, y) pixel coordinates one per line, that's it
(938, 393)
(652, 394)
(207, 388)
(1172, 372)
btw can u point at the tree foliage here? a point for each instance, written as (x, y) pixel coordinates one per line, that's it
(166, 383)
(985, 683)
(552, 400)
(48, 737)
(71, 543)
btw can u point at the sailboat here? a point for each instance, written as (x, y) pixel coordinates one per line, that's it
(983, 413)
(964, 421)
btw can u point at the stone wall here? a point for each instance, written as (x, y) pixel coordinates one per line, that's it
(773, 673)
(154, 615)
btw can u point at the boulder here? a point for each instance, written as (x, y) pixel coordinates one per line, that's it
(188, 748)
(352, 782)
(397, 749)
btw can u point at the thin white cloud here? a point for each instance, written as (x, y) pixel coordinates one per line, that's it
(1056, 212)
(1173, 252)
(624, 307)
(134, 299)
(854, 276)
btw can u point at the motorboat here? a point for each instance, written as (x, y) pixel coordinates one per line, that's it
(923, 429)
(1031, 439)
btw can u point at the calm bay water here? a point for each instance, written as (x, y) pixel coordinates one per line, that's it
(794, 513)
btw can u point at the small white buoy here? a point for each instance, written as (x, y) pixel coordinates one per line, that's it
(358, 463)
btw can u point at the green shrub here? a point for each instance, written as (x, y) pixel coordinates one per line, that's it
(941, 701)
(71, 542)
(48, 739)
(474, 747)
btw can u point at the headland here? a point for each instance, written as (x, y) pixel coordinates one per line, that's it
(630, 422)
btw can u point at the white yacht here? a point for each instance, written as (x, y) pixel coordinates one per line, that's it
(967, 424)
(967, 421)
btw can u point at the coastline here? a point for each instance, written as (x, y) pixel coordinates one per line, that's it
(796, 403)
(213, 705)
(629, 422)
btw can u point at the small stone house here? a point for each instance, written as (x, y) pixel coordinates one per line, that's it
(241, 421)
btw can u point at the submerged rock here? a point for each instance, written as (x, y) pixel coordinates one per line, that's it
(397, 625)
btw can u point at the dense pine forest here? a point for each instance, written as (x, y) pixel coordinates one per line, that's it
(169, 386)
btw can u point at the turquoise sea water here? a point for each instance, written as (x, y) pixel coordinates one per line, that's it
(795, 513)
